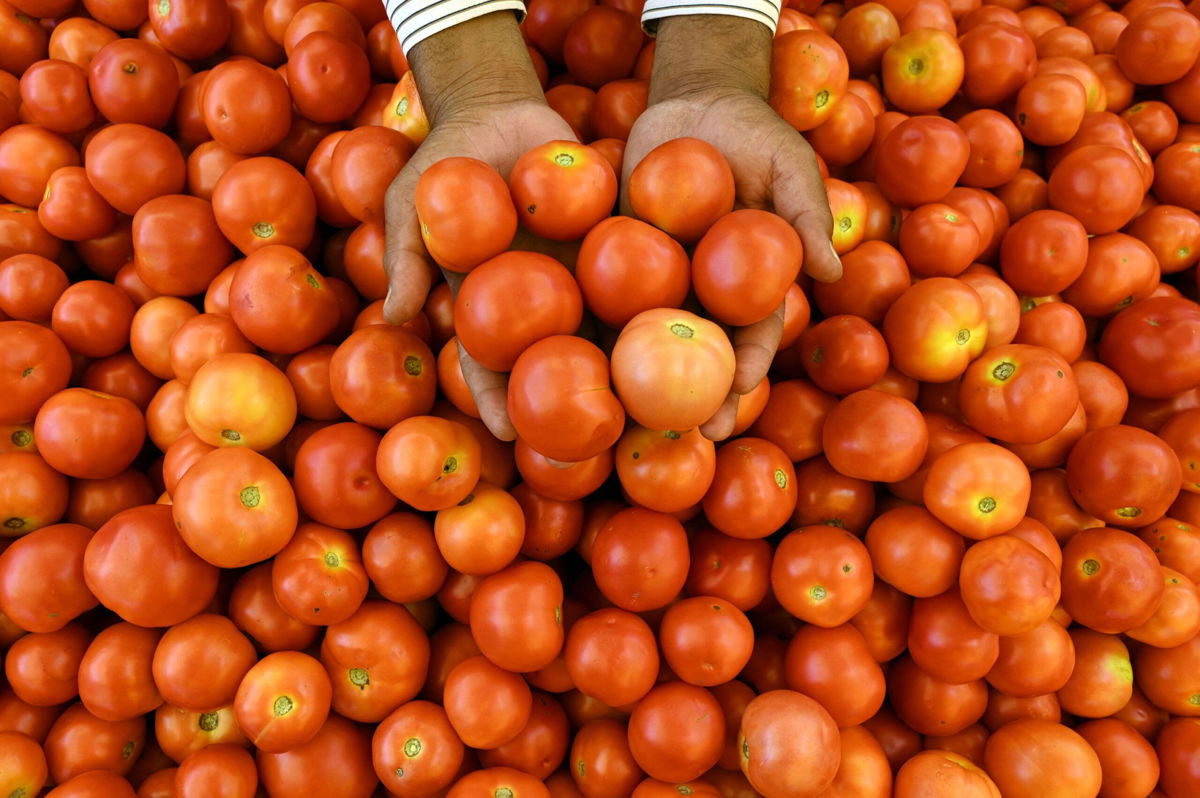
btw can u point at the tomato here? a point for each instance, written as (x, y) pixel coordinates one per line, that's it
(1035, 662)
(181, 732)
(1111, 580)
(34, 494)
(42, 667)
(239, 399)
(913, 551)
(1174, 747)
(1024, 255)
(826, 497)
(847, 134)
(920, 160)
(601, 45)
(721, 266)
(454, 234)
(381, 375)
(689, 633)
(562, 189)
(611, 655)
(931, 706)
(1173, 235)
(640, 559)
(199, 663)
(809, 76)
(936, 240)
(874, 276)
(115, 678)
(79, 742)
(665, 471)
(1177, 618)
(952, 774)
(416, 749)
(935, 329)
(318, 578)
(1002, 392)
(175, 264)
(483, 533)
(824, 664)
(626, 266)
(683, 167)
(516, 617)
(71, 209)
(41, 578)
(822, 575)
(1098, 472)
(283, 701)
(865, 32)
(789, 745)
(200, 338)
(24, 764)
(160, 166)
(280, 302)
(138, 566)
(262, 201)
(1073, 187)
(29, 155)
(978, 489)
(1008, 585)
(1037, 757)
(55, 95)
(220, 771)
(256, 611)
(486, 705)
(94, 784)
(512, 301)
(1148, 344)
(922, 70)
(854, 429)
(676, 732)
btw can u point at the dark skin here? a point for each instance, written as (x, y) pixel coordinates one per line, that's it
(710, 80)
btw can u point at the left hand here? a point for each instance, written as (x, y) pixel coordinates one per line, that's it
(773, 169)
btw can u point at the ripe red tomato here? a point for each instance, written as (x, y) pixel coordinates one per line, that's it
(24, 764)
(415, 749)
(743, 265)
(676, 732)
(87, 434)
(461, 236)
(72, 209)
(199, 663)
(1008, 585)
(920, 160)
(935, 329)
(753, 491)
(855, 429)
(612, 656)
(626, 266)
(835, 666)
(516, 617)
(429, 463)
(683, 167)
(179, 247)
(822, 575)
(922, 70)
(665, 471)
(1031, 757)
(1149, 346)
(1018, 393)
(246, 107)
(562, 189)
(115, 678)
(640, 559)
(789, 745)
(318, 578)
(809, 76)
(1101, 480)
(600, 45)
(42, 584)
(283, 701)
(262, 201)
(486, 705)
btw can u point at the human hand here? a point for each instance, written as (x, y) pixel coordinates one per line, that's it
(773, 166)
(491, 121)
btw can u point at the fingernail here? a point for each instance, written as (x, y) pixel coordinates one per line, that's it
(834, 252)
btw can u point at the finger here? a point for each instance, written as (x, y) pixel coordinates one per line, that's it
(754, 347)
(490, 390)
(404, 258)
(799, 196)
(721, 425)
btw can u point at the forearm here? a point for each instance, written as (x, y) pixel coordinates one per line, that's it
(479, 62)
(707, 53)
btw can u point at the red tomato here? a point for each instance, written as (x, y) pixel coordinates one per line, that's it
(1099, 475)
(854, 432)
(920, 160)
(246, 107)
(416, 749)
(562, 189)
(640, 559)
(753, 491)
(29, 155)
(72, 209)
(913, 551)
(1031, 757)
(625, 266)
(611, 655)
(665, 471)
(1148, 345)
(601, 45)
(822, 575)
(835, 667)
(809, 77)
(683, 167)
(1111, 580)
(283, 701)
(676, 732)
(789, 745)
(115, 678)
(262, 201)
(1003, 391)
(199, 663)
(721, 266)
(87, 434)
(516, 617)
(486, 705)
(42, 585)
(318, 578)
(458, 235)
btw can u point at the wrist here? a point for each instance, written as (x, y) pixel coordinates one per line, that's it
(475, 66)
(710, 56)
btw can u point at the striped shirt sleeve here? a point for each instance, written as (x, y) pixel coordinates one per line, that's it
(416, 20)
(764, 11)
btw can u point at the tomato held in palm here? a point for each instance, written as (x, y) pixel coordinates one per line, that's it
(922, 70)
(682, 168)
(283, 701)
(562, 189)
(789, 745)
(672, 369)
(461, 236)
(318, 578)
(510, 302)
(1018, 393)
(234, 507)
(88, 434)
(626, 266)
(1123, 475)
(262, 201)
(809, 77)
(239, 399)
(138, 566)
(742, 267)
(1150, 345)
(516, 617)
(560, 401)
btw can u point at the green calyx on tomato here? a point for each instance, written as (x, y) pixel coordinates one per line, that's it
(413, 366)
(680, 330)
(564, 159)
(1091, 567)
(359, 677)
(818, 593)
(282, 706)
(263, 229)
(781, 479)
(21, 437)
(1129, 512)
(962, 337)
(250, 496)
(412, 747)
(208, 721)
(1003, 371)
(987, 504)
(332, 559)
(163, 7)
(449, 466)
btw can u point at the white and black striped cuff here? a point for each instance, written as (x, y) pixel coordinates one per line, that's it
(764, 11)
(415, 20)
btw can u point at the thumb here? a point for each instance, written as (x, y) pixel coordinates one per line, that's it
(405, 260)
(799, 196)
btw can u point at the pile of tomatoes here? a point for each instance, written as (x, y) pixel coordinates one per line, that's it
(255, 541)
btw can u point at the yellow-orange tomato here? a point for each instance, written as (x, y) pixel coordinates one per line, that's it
(239, 399)
(809, 77)
(672, 369)
(922, 70)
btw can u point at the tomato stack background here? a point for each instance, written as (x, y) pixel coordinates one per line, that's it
(255, 541)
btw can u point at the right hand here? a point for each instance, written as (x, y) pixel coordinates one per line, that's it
(497, 134)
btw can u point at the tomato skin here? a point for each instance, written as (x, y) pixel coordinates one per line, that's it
(626, 266)
(640, 559)
(381, 375)
(691, 168)
(1002, 392)
(29, 155)
(280, 302)
(611, 655)
(789, 745)
(1174, 748)
(721, 266)
(318, 578)
(920, 160)
(246, 107)
(283, 701)
(1150, 346)
(562, 189)
(262, 201)
(80, 742)
(853, 431)
(256, 611)
(486, 705)
(240, 399)
(43, 668)
(823, 663)
(922, 70)
(115, 678)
